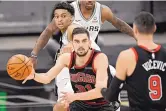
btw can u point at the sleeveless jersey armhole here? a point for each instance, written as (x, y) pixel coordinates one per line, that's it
(71, 60)
(135, 53)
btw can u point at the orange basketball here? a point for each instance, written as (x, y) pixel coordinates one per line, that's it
(19, 67)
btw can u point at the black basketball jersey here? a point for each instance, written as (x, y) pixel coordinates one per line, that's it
(147, 84)
(84, 78)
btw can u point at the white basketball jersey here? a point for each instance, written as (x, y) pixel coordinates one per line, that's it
(65, 40)
(93, 24)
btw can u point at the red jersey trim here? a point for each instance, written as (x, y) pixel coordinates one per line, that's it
(71, 60)
(135, 53)
(154, 50)
(99, 103)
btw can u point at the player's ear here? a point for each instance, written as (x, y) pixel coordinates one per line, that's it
(135, 29)
(155, 28)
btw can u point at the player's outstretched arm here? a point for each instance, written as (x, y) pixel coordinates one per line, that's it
(45, 78)
(122, 26)
(43, 39)
(111, 94)
(100, 65)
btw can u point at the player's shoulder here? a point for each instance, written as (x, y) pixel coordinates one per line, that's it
(65, 55)
(100, 56)
(74, 25)
(127, 54)
(105, 8)
(105, 12)
(64, 59)
(100, 60)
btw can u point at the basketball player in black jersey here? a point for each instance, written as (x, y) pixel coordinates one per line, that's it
(88, 70)
(142, 68)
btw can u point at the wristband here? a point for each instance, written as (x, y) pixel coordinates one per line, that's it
(33, 55)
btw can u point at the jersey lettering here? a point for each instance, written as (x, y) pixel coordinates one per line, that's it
(81, 88)
(93, 28)
(155, 64)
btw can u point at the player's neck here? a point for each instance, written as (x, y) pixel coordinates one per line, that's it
(63, 30)
(146, 40)
(86, 13)
(82, 60)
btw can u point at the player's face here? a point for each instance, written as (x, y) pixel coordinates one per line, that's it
(62, 18)
(81, 44)
(88, 4)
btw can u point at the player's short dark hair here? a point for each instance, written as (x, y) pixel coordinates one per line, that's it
(66, 6)
(145, 22)
(79, 30)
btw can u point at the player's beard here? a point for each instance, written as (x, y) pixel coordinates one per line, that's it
(83, 54)
(90, 6)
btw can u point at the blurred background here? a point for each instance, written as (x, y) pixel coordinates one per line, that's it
(21, 23)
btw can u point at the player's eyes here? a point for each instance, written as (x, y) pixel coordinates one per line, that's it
(84, 41)
(63, 16)
(56, 17)
(76, 42)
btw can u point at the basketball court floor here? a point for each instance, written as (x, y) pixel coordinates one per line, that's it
(33, 96)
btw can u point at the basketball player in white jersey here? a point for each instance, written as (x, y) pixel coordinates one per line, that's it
(87, 12)
(93, 22)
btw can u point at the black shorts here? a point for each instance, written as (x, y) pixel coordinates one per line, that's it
(81, 106)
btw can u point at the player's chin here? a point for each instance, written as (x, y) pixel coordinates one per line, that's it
(61, 27)
(81, 54)
(59, 107)
(89, 7)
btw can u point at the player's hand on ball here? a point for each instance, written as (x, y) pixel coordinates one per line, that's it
(30, 77)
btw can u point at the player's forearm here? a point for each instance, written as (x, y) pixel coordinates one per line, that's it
(123, 26)
(111, 94)
(42, 40)
(42, 78)
(89, 95)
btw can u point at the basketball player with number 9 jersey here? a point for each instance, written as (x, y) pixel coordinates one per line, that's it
(142, 68)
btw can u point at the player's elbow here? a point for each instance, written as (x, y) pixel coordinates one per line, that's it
(47, 80)
(97, 93)
(107, 95)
